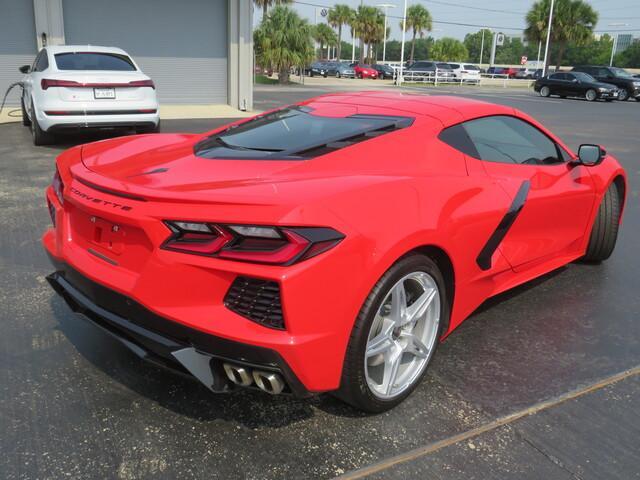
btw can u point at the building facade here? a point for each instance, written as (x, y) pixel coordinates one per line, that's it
(196, 51)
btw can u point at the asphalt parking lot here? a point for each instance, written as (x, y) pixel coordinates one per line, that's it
(543, 381)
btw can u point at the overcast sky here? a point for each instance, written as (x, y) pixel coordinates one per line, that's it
(505, 15)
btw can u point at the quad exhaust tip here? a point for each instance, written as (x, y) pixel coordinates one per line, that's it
(269, 382)
(238, 375)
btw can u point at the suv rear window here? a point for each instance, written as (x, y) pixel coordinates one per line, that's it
(94, 61)
(471, 67)
(295, 134)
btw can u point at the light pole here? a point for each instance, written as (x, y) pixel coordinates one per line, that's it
(546, 48)
(384, 45)
(615, 40)
(404, 28)
(482, 44)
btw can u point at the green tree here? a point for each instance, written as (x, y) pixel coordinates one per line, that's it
(573, 22)
(597, 52)
(340, 15)
(474, 43)
(265, 4)
(418, 21)
(368, 23)
(324, 35)
(283, 40)
(630, 57)
(447, 49)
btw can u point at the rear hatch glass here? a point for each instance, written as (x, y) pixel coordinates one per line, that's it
(294, 134)
(94, 61)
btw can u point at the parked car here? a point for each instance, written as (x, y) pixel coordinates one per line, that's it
(495, 71)
(365, 71)
(70, 88)
(628, 85)
(575, 84)
(428, 69)
(249, 257)
(528, 73)
(344, 70)
(331, 68)
(385, 71)
(317, 69)
(466, 72)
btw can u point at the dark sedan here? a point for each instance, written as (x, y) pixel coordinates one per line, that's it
(384, 71)
(575, 84)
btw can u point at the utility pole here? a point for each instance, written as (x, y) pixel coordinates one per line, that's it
(546, 48)
(481, 46)
(404, 28)
(384, 45)
(614, 47)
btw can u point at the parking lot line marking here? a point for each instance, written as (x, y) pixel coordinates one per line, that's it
(499, 422)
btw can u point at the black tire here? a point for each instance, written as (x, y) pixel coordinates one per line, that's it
(623, 95)
(354, 389)
(25, 118)
(545, 91)
(604, 232)
(40, 137)
(637, 99)
(591, 95)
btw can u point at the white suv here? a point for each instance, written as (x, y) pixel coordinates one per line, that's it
(466, 72)
(76, 87)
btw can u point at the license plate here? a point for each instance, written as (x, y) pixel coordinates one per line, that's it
(104, 93)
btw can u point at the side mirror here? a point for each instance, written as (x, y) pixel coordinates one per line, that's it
(590, 155)
(575, 80)
(25, 69)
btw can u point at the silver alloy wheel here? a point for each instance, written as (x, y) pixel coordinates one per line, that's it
(403, 335)
(591, 95)
(623, 95)
(545, 91)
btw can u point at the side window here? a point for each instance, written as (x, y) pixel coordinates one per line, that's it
(42, 63)
(569, 77)
(35, 61)
(507, 139)
(556, 76)
(603, 72)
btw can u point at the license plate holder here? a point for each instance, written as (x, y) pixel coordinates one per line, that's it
(107, 235)
(104, 93)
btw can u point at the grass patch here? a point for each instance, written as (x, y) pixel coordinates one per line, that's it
(264, 80)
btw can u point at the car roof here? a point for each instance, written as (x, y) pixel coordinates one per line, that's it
(447, 109)
(84, 48)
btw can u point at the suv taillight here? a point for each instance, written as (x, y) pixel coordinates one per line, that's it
(250, 243)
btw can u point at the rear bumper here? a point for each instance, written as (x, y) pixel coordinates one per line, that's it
(162, 341)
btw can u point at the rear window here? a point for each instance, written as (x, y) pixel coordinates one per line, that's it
(295, 134)
(471, 67)
(454, 65)
(94, 61)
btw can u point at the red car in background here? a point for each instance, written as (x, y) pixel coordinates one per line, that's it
(365, 71)
(326, 246)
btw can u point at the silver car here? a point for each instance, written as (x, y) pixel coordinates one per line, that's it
(344, 70)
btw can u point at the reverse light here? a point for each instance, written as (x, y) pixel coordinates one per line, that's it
(251, 243)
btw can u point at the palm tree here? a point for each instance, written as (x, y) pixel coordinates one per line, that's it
(265, 4)
(369, 26)
(419, 20)
(324, 35)
(340, 15)
(282, 41)
(573, 21)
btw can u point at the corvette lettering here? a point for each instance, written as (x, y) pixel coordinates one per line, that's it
(105, 203)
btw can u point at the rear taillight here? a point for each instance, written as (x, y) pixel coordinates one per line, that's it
(58, 186)
(48, 83)
(143, 83)
(250, 243)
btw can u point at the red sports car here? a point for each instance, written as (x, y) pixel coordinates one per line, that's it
(326, 246)
(365, 71)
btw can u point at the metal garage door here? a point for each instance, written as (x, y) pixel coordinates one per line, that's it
(17, 44)
(181, 45)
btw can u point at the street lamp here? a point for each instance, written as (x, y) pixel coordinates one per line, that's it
(384, 45)
(404, 28)
(615, 40)
(482, 44)
(546, 48)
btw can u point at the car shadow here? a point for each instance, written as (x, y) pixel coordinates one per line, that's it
(182, 394)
